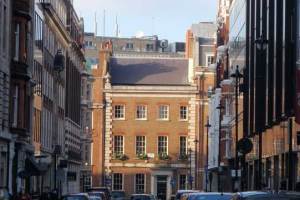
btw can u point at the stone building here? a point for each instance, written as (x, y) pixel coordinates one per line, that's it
(144, 124)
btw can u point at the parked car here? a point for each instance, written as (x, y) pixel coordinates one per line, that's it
(94, 198)
(79, 196)
(210, 196)
(101, 189)
(101, 195)
(258, 195)
(142, 197)
(118, 195)
(181, 192)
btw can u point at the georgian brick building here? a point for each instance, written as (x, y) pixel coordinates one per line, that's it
(144, 121)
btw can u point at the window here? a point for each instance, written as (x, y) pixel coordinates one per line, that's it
(129, 46)
(117, 181)
(17, 42)
(182, 182)
(209, 60)
(5, 17)
(162, 145)
(15, 105)
(140, 145)
(183, 146)
(118, 145)
(149, 47)
(163, 112)
(141, 112)
(119, 112)
(183, 112)
(140, 183)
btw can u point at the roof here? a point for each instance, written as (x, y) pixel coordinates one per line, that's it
(148, 71)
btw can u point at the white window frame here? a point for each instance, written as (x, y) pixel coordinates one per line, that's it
(186, 114)
(186, 149)
(113, 182)
(186, 181)
(123, 142)
(206, 58)
(135, 183)
(144, 117)
(120, 117)
(17, 42)
(145, 139)
(167, 145)
(159, 112)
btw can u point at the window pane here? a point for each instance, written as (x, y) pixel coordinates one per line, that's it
(163, 112)
(140, 145)
(119, 111)
(162, 144)
(117, 181)
(183, 112)
(183, 149)
(141, 111)
(140, 183)
(118, 145)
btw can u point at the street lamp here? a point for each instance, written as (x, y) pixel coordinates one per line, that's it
(190, 177)
(261, 44)
(238, 76)
(196, 162)
(220, 108)
(207, 125)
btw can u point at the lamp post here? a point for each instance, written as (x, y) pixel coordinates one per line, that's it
(190, 177)
(237, 75)
(196, 162)
(207, 125)
(220, 108)
(261, 45)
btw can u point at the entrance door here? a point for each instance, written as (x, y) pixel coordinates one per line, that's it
(162, 187)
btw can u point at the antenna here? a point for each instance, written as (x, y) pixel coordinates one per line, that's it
(96, 25)
(117, 27)
(104, 23)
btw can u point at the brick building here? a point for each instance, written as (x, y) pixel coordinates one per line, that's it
(144, 121)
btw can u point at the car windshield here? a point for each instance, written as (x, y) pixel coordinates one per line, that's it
(117, 194)
(212, 197)
(75, 197)
(141, 197)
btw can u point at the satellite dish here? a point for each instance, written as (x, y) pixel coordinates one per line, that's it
(164, 44)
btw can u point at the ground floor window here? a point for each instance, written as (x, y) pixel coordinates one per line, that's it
(140, 183)
(117, 181)
(182, 181)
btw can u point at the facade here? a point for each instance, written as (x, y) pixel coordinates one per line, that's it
(145, 123)
(200, 51)
(58, 68)
(6, 137)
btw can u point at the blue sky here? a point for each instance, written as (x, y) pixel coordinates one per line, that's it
(169, 19)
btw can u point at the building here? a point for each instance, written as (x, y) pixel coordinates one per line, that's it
(200, 51)
(6, 137)
(20, 89)
(58, 70)
(144, 124)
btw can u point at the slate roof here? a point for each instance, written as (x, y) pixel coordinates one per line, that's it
(148, 71)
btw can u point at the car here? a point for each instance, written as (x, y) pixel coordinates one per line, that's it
(210, 196)
(118, 195)
(142, 197)
(260, 195)
(101, 189)
(181, 192)
(101, 195)
(94, 198)
(79, 196)
(4, 194)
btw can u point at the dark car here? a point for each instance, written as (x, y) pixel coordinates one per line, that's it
(105, 190)
(258, 195)
(118, 195)
(79, 196)
(210, 196)
(101, 195)
(181, 192)
(142, 197)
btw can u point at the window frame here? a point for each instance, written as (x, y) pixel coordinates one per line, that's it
(114, 112)
(186, 145)
(186, 114)
(123, 144)
(145, 112)
(145, 143)
(113, 181)
(168, 112)
(167, 145)
(209, 55)
(144, 183)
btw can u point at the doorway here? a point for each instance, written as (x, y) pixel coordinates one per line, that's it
(161, 187)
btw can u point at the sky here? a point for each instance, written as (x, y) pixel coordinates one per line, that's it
(169, 19)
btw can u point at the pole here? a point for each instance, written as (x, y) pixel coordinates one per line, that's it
(190, 178)
(236, 123)
(290, 161)
(55, 170)
(219, 150)
(206, 174)
(259, 161)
